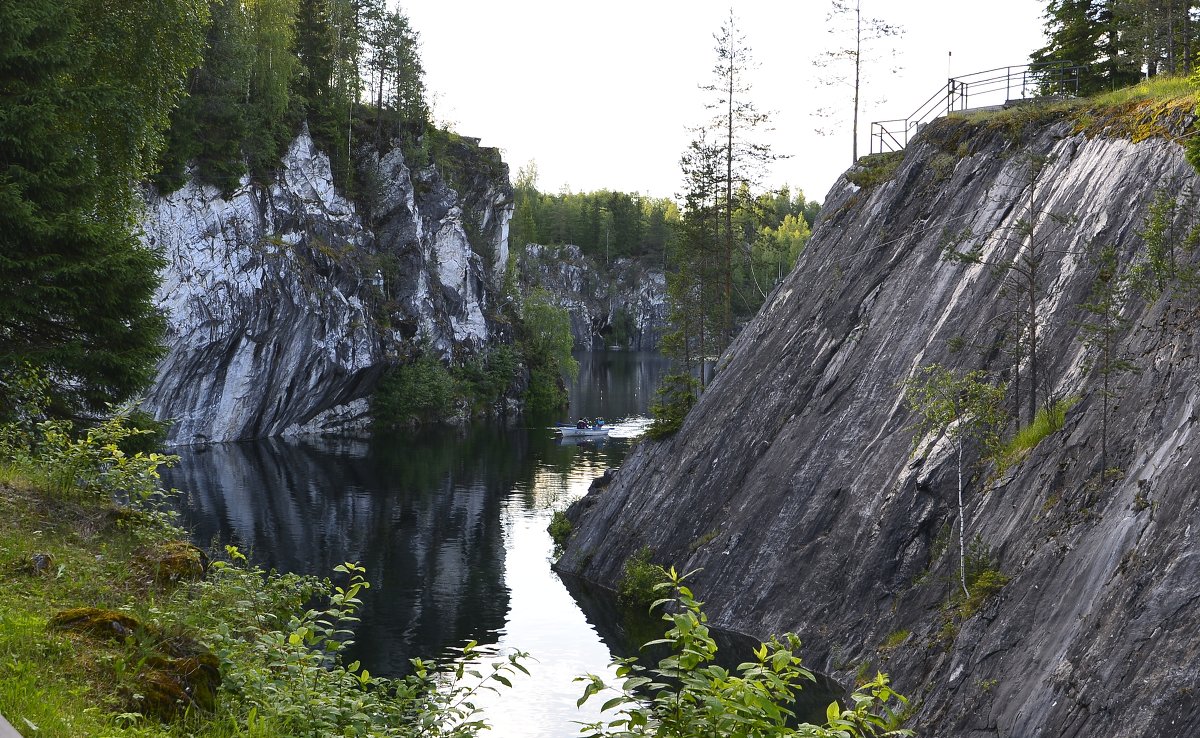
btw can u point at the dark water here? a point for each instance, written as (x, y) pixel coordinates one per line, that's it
(451, 526)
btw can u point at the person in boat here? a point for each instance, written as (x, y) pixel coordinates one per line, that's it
(598, 423)
(582, 424)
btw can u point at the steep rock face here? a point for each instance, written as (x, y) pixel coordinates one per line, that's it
(285, 306)
(793, 484)
(626, 301)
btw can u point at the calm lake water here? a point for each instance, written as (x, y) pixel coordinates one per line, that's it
(451, 526)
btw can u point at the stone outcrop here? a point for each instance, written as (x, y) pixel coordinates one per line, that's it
(287, 302)
(620, 304)
(794, 488)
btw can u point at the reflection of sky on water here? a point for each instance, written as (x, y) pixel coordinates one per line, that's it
(451, 526)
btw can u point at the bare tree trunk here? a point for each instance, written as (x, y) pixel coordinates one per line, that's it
(727, 316)
(857, 70)
(962, 525)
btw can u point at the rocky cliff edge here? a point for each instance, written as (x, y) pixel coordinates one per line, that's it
(285, 304)
(793, 485)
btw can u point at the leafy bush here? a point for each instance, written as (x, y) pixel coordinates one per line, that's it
(486, 378)
(875, 169)
(91, 465)
(640, 580)
(546, 337)
(420, 392)
(687, 695)
(286, 669)
(560, 529)
(278, 638)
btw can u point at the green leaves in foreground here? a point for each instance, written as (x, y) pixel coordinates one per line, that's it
(687, 695)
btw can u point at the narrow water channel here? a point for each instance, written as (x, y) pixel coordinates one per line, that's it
(451, 526)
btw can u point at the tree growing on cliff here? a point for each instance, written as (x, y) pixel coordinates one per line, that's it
(845, 63)
(545, 335)
(1105, 307)
(87, 91)
(1017, 255)
(963, 409)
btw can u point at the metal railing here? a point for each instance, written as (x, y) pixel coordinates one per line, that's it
(1000, 87)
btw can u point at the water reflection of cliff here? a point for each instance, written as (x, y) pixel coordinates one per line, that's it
(421, 513)
(615, 384)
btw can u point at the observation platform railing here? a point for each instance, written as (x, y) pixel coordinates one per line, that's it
(992, 89)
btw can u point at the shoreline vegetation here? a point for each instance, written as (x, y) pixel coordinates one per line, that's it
(113, 624)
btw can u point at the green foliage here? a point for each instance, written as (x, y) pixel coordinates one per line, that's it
(1047, 420)
(1166, 243)
(545, 335)
(91, 464)
(675, 397)
(278, 638)
(269, 64)
(288, 671)
(560, 529)
(894, 640)
(640, 580)
(605, 225)
(984, 581)
(687, 695)
(410, 394)
(486, 379)
(87, 90)
(961, 406)
(873, 170)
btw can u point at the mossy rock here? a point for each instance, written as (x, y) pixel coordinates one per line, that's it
(175, 561)
(40, 564)
(98, 622)
(170, 687)
(177, 676)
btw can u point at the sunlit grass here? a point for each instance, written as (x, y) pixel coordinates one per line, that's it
(1161, 87)
(69, 685)
(1047, 421)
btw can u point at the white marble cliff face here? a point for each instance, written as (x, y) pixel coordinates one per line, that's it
(284, 307)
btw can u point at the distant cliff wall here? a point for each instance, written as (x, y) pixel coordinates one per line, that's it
(285, 305)
(794, 490)
(621, 304)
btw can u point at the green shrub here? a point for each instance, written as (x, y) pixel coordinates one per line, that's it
(560, 529)
(688, 696)
(420, 392)
(640, 580)
(894, 640)
(485, 379)
(278, 638)
(875, 169)
(88, 465)
(545, 334)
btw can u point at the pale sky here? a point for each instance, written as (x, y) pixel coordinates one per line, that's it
(602, 94)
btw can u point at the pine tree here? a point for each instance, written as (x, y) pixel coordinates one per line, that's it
(735, 122)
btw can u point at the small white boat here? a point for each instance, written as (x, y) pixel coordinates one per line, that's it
(570, 431)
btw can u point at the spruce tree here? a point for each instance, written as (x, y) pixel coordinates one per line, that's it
(76, 286)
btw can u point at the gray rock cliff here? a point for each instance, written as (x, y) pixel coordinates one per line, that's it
(285, 304)
(624, 303)
(793, 485)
